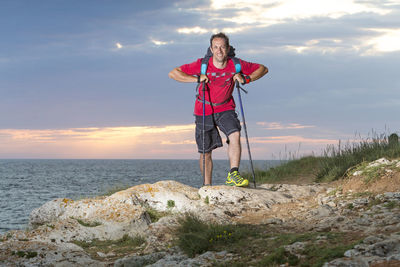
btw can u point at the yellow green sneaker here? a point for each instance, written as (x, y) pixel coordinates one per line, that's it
(234, 179)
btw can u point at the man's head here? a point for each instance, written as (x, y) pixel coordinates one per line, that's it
(219, 45)
(222, 36)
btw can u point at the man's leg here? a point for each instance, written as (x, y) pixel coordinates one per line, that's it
(208, 166)
(234, 153)
(234, 149)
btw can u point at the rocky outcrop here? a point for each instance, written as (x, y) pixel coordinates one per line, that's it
(58, 225)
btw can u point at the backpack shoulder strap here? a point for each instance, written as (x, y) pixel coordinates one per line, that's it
(204, 61)
(238, 65)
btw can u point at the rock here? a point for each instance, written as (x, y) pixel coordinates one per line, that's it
(374, 249)
(47, 255)
(360, 202)
(175, 259)
(358, 173)
(364, 221)
(373, 239)
(346, 263)
(351, 253)
(139, 261)
(379, 162)
(322, 211)
(158, 195)
(392, 196)
(49, 212)
(283, 208)
(208, 258)
(101, 254)
(295, 248)
(273, 221)
(385, 248)
(248, 198)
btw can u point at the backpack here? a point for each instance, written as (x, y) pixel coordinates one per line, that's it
(231, 55)
(203, 70)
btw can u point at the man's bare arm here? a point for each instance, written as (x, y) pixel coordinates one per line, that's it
(178, 75)
(257, 74)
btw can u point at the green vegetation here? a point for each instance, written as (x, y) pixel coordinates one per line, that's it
(122, 246)
(392, 204)
(372, 173)
(50, 226)
(87, 224)
(374, 202)
(363, 194)
(170, 204)
(155, 215)
(26, 254)
(334, 163)
(259, 245)
(207, 200)
(195, 236)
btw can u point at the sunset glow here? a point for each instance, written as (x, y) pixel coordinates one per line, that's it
(172, 141)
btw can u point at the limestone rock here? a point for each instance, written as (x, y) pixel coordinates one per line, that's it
(49, 212)
(182, 197)
(297, 208)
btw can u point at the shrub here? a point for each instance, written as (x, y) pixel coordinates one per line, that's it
(195, 236)
(170, 204)
(335, 161)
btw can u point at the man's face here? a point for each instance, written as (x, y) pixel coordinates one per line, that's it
(219, 49)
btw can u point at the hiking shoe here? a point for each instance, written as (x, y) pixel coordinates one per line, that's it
(234, 179)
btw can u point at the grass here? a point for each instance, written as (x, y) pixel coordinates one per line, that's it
(392, 204)
(195, 236)
(156, 215)
(170, 204)
(119, 247)
(334, 163)
(25, 254)
(259, 245)
(290, 170)
(86, 223)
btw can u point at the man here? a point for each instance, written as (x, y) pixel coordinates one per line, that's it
(220, 108)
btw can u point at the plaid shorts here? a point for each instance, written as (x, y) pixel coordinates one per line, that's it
(226, 121)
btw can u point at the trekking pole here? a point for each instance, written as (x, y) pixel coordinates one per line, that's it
(204, 132)
(245, 131)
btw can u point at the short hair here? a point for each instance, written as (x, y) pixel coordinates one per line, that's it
(220, 35)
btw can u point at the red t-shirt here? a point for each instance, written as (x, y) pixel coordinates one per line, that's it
(220, 86)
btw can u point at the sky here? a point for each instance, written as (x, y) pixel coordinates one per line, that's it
(89, 79)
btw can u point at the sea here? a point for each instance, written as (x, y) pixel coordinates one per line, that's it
(26, 184)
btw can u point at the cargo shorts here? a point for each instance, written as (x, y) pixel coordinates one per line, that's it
(226, 121)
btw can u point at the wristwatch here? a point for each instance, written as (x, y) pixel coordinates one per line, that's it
(246, 79)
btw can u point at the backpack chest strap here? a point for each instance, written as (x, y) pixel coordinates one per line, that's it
(198, 98)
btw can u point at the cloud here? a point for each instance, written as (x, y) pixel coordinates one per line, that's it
(183, 142)
(291, 139)
(259, 13)
(193, 30)
(387, 41)
(160, 43)
(280, 126)
(107, 142)
(171, 141)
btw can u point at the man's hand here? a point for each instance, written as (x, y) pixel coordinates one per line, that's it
(178, 75)
(203, 78)
(238, 77)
